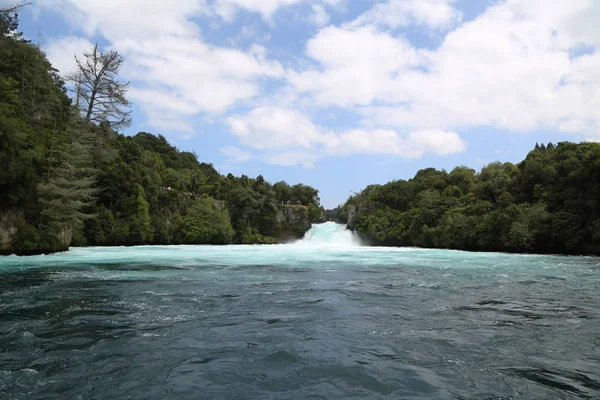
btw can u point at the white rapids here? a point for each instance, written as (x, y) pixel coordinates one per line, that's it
(329, 234)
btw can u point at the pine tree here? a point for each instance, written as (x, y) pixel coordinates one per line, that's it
(140, 227)
(69, 188)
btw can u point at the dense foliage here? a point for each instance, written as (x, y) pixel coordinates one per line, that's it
(548, 203)
(153, 193)
(64, 180)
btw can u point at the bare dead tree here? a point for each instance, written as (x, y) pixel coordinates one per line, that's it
(9, 20)
(14, 8)
(100, 97)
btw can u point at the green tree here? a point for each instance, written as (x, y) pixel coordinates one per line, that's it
(140, 226)
(204, 223)
(68, 190)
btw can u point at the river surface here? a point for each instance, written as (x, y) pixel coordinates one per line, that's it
(320, 319)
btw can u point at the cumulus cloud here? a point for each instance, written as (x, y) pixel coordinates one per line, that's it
(8, 3)
(229, 8)
(277, 128)
(320, 16)
(174, 73)
(522, 65)
(235, 155)
(357, 65)
(305, 159)
(515, 67)
(383, 141)
(301, 142)
(61, 52)
(437, 14)
(137, 19)
(205, 78)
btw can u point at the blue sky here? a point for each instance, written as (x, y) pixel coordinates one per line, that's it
(340, 94)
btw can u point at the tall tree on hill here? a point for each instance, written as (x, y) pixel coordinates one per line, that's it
(99, 95)
(68, 189)
(9, 21)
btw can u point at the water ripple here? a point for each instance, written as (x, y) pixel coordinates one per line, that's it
(235, 322)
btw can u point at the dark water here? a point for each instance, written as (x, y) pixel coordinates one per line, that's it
(275, 322)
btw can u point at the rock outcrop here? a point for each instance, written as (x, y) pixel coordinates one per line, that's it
(220, 204)
(64, 239)
(294, 222)
(351, 218)
(17, 237)
(10, 221)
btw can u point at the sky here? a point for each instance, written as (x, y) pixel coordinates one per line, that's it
(340, 94)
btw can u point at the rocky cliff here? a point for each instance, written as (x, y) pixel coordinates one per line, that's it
(351, 218)
(294, 222)
(17, 237)
(10, 221)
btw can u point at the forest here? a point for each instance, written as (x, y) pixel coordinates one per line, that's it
(548, 203)
(69, 178)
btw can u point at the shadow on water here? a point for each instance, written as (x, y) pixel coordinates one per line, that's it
(570, 382)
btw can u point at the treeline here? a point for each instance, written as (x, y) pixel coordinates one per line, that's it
(151, 193)
(548, 203)
(68, 177)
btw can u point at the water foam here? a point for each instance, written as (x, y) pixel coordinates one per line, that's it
(329, 234)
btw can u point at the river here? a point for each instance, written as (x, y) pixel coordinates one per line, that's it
(324, 318)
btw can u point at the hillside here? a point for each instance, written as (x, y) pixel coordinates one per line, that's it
(69, 181)
(548, 203)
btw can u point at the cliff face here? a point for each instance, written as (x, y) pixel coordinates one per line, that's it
(294, 222)
(64, 239)
(360, 209)
(220, 204)
(16, 237)
(10, 221)
(351, 218)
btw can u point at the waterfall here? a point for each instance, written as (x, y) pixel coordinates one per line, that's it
(329, 234)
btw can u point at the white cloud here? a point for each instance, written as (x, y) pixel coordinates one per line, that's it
(204, 78)
(171, 123)
(334, 3)
(383, 141)
(437, 14)
(358, 65)
(522, 65)
(511, 68)
(174, 74)
(276, 128)
(162, 101)
(435, 141)
(201, 78)
(292, 158)
(61, 52)
(235, 155)
(137, 19)
(227, 9)
(319, 16)
(300, 142)
(4, 4)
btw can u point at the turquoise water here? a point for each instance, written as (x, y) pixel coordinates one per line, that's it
(321, 318)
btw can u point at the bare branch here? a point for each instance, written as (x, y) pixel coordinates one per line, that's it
(101, 95)
(14, 8)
